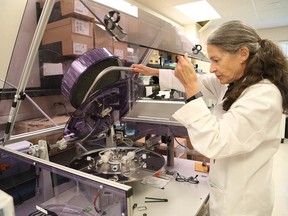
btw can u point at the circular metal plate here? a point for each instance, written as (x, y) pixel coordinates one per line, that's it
(122, 164)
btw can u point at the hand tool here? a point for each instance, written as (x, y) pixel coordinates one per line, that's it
(153, 199)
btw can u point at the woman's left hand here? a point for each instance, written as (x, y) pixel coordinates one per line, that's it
(186, 74)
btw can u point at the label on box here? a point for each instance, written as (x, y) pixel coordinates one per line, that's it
(50, 69)
(81, 27)
(79, 48)
(119, 53)
(80, 8)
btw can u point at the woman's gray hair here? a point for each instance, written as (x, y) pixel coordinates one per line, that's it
(231, 36)
(265, 61)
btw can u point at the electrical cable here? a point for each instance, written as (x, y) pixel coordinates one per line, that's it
(95, 200)
(177, 140)
(124, 140)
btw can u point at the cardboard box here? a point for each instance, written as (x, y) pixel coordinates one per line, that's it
(69, 8)
(40, 123)
(75, 35)
(120, 50)
(102, 39)
(179, 151)
(195, 155)
(75, 8)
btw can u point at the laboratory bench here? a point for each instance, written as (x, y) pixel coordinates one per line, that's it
(195, 202)
(183, 198)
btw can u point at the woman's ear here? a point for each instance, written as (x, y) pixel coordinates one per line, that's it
(244, 53)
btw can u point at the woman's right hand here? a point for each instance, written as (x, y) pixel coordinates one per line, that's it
(186, 74)
(144, 70)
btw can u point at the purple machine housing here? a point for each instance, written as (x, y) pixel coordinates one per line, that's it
(99, 104)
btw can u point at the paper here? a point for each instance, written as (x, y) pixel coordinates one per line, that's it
(155, 182)
(50, 69)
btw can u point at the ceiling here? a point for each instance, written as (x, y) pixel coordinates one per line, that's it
(258, 13)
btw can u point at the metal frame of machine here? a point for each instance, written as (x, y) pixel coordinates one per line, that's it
(47, 190)
(39, 163)
(102, 188)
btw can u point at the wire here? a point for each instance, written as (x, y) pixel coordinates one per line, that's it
(177, 140)
(124, 140)
(95, 200)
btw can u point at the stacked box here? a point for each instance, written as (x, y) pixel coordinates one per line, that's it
(70, 8)
(102, 39)
(40, 123)
(120, 49)
(74, 35)
(75, 8)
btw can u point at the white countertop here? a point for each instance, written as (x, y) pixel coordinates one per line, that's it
(187, 199)
(183, 198)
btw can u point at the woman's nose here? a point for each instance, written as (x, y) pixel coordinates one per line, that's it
(212, 69)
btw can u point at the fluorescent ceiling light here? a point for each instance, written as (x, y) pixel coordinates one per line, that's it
(198, 11)
(120, 5)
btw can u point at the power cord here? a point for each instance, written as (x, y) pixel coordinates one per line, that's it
(178, 140)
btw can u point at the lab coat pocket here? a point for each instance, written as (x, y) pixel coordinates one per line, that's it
(217, 200)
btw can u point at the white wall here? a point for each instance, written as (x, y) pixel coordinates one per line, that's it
(274, 34)
(21, 49)
(11, 12)
(278, 35)
(192, 33)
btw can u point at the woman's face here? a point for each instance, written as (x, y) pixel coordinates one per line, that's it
(227, 67)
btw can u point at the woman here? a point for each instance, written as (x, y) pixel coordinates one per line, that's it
(242, 133)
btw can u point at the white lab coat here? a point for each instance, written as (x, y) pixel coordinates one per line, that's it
(240, 143)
